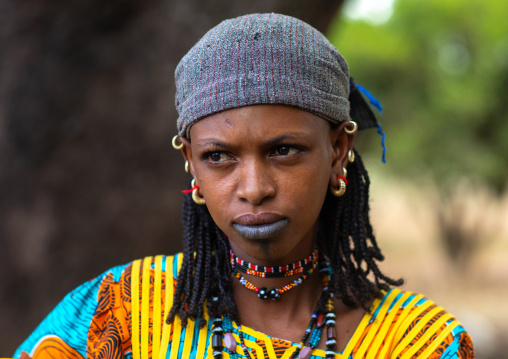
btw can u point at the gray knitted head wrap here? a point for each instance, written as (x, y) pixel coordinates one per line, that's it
(261, 59)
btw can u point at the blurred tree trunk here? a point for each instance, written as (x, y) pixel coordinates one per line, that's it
(88, 178)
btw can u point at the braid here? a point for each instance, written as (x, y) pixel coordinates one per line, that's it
(348, 241)
(205, 270)
(345, 237)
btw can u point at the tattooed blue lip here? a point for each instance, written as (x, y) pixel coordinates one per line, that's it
(261, 231)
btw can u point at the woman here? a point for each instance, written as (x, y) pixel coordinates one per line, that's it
(279, 255)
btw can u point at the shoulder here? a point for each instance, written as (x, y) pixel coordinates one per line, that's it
(413, 326)
(92, 316)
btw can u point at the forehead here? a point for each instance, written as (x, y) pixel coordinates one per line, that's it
(258, 122)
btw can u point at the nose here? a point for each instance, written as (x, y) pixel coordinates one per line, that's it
(256, 183)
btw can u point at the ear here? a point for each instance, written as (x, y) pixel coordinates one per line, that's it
(187, 154)
(342, 143)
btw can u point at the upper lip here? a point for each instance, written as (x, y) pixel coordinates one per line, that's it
(257, 219)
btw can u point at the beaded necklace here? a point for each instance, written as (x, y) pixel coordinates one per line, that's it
(273, 272)
(308, 265)
(274, 293)
(323, 315)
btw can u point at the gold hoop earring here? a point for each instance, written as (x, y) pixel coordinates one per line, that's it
(186, 166)
(355, 128)
(195, 193)
(344, 171)
(351, 156)
(173, 142)
(337, 192)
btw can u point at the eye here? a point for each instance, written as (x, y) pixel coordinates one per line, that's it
(285, 150)
(217, 156)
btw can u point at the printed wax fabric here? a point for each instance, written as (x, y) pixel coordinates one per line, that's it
(95, 321)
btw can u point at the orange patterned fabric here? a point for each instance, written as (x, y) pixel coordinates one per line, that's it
(110, 331)
(53, 347)
(109, 335)
(279, 347)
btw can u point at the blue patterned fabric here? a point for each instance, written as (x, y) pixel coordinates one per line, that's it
(70, 320)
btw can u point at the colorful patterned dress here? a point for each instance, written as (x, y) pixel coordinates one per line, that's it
(95, 321)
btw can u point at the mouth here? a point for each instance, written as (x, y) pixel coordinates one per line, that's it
(261, 226)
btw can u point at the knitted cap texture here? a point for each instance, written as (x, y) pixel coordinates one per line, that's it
(261, 59)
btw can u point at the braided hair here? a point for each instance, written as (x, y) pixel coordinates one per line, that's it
(345, 237)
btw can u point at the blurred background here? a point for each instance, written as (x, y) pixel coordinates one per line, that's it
(89, 180)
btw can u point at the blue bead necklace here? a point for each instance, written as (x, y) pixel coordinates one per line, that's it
(323, 316)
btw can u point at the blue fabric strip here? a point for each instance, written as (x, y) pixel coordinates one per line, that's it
(383, 136)
(373, 101)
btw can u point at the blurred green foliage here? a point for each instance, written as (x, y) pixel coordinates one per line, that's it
(440, 68)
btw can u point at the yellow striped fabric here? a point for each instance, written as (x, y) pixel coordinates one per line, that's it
(145, 307)
(135, 308)
(157, 298)
(400, 325)
(167, 328)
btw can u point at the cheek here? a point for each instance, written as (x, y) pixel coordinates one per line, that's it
(218, 200)
(305, 191)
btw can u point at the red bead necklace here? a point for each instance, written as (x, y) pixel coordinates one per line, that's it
(274, 272)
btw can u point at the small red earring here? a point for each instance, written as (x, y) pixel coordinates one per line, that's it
(343, 179)
(337, 192)
(196, 196)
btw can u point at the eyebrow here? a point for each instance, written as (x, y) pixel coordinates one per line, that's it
(288, 136)
(211, 142)
(215, 142)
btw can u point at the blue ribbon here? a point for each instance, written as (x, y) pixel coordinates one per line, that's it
(383, 136)
(375, 102)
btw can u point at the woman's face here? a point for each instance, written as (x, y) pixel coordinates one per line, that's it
(264, 171)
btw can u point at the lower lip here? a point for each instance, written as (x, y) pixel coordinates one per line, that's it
(262, 231)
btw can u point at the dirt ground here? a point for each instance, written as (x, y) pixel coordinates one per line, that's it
(409, 236)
